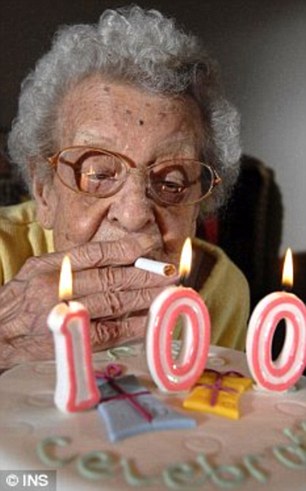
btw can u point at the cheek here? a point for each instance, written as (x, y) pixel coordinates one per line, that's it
(76, 222)
(178, 224)
(182, 221)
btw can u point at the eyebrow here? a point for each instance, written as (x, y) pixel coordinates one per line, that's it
(168, 145)
(173, 141)
(178, 144)
(95, 139)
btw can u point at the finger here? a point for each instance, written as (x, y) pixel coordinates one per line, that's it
(116, 279)
(109, 333)
(11, 298)
(24, 306)
(23, 320)
(111, 253)
(21, 349)
(116, 304)
(93, 254)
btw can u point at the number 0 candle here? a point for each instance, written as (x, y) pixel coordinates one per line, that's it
(69, 321)
(169, 374)
(284, 372)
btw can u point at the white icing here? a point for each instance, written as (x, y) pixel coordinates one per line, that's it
(216, 361)
(45, 368)
(203, 443)
(291, 408)
(40, 400)
(263, 450)
(13, 429)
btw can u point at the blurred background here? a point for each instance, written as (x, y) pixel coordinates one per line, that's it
(261, 48)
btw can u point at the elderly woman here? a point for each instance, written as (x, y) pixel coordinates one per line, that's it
(124, 138)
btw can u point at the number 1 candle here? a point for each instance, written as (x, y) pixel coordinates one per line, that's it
(69, 321)
(283, 373)
(169, 374)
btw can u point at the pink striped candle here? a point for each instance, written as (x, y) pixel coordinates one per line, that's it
(283, 373)
(76, 388)
(181, 373)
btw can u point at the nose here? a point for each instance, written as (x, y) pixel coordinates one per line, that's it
(131, 208)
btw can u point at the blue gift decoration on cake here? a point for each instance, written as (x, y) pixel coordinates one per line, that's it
(128, 408)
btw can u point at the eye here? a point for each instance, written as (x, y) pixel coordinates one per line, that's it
(169, 180)
(95, 174)
(171, 175)
(100, 167)
(99, 173)
(168, 186)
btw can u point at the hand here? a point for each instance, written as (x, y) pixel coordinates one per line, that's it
(116, 294)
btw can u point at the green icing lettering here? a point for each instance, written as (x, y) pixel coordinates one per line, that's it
(121, 352)
(97, 465)
(224, 476)
(133, 477)
(183, 476)
(45, 450)
(291, 456)
(250, 462)
(293, 436)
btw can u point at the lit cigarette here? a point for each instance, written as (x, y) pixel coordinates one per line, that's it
(158, 267)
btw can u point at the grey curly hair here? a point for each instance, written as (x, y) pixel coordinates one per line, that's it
(137, 46)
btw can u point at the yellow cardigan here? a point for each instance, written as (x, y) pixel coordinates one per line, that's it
(225, 291)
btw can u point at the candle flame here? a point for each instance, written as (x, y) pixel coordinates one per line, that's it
(65, 283)
(186, 259)
(287, 278)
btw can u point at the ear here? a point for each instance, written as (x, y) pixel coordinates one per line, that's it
(46, 201)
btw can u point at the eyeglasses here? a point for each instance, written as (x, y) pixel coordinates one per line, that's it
(101, 173)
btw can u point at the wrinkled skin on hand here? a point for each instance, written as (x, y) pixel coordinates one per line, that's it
(116, 294)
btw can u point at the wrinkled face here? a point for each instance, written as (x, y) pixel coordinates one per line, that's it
(146, 128)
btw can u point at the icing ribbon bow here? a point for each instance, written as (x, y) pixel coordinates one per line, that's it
(112, 371)
(217, 385)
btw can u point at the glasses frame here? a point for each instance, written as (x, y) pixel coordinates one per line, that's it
(130, 167)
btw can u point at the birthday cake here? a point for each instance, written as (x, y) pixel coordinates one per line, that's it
(114, 447)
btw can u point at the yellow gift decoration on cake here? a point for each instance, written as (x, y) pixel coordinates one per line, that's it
(218, 393)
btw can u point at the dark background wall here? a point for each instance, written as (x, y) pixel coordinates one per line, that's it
(261, 46)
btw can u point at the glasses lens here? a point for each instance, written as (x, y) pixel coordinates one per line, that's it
(91, 171)
(182, 181)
